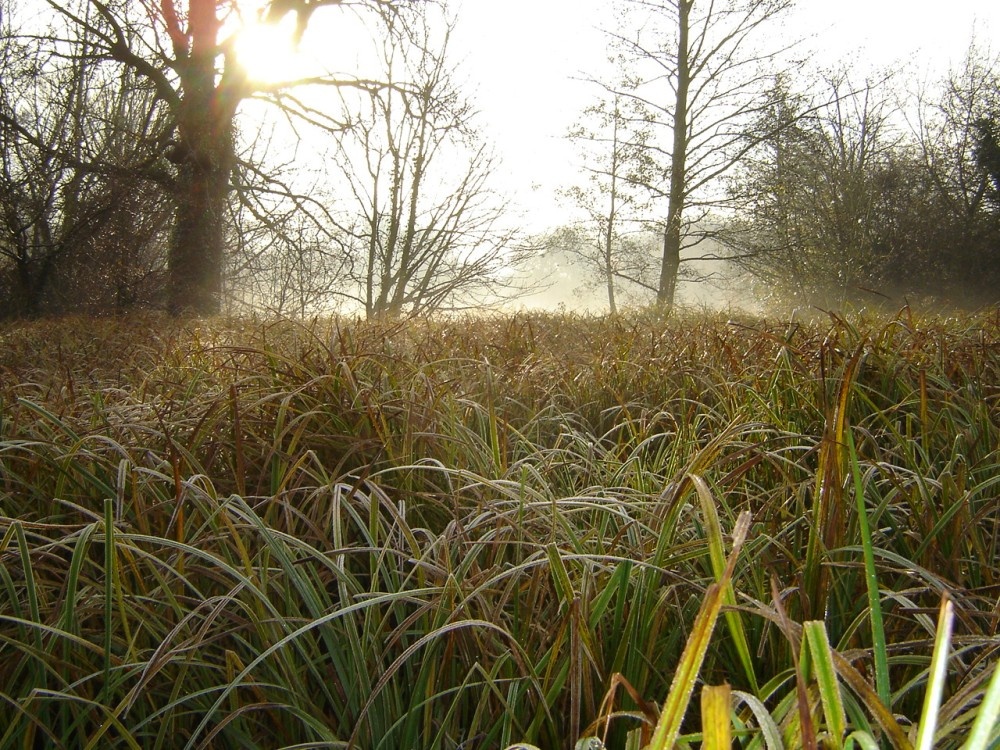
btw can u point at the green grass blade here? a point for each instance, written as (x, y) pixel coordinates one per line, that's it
(882, 686)
(48, 416)
(73, 579)
(768, 726)
(717, 554)
(560, 576)
(31, 590)
(862, 739)
(987, 716)
(109, 591)
(815, 635)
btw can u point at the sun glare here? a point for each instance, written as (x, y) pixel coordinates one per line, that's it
(268, 51)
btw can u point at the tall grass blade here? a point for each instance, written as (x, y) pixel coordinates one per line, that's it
(717, 554)
(937, 677)
(109, 591)
(826, 531)
(800, 732)
(682, 685)
(30, 584)
(880, 656)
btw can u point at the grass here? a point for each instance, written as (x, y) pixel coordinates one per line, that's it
(482, 532)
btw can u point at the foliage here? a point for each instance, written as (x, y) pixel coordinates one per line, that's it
(841, 205)
(825, 199)
(458, 532)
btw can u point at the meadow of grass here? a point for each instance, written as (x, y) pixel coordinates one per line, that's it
(481, 532)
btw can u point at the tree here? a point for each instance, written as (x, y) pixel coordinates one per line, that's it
(823, 199)
(424, 230)
(179, 48)
(613, 139)
(839, 204)
(706, 51)
(82, 213)
(956, 137)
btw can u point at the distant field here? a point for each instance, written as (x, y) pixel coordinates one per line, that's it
(454, 534)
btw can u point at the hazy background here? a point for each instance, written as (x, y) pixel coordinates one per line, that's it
(312, 160)
(528, 65)
(527, 61)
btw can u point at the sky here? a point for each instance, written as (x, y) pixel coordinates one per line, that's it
(521, 58)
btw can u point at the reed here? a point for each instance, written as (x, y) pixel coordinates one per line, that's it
(479, 532)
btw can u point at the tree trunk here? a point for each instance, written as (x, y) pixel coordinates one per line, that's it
(32, 284)
(612, 216)
(670, 266)
(205, 157)
(612, 305)
(197, 246)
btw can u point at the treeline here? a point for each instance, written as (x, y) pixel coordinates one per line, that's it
(803, 187)
(131, 176)
(853, 197)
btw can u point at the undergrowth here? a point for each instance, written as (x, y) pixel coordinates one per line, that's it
(478, 532)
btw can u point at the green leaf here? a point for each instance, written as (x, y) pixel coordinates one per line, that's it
(815, 636)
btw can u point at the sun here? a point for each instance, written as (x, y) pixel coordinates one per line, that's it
(268, 52)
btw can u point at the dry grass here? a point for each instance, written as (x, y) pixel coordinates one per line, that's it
(451, 534)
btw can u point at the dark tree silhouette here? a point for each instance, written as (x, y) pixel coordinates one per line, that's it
(83, 209)
(181, 50)
(987, 149)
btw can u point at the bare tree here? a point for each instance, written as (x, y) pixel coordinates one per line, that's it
(425, 229)
(703, 70)
(75, 236)
(951, 128)
(285, 262)
(183, 50)
(613, 137)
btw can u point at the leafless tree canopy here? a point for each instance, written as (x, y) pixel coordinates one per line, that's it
(701, 67)
(424, 230)
(84, 208)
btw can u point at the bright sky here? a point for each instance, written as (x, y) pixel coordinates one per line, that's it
(525, 64)
(520, 57)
